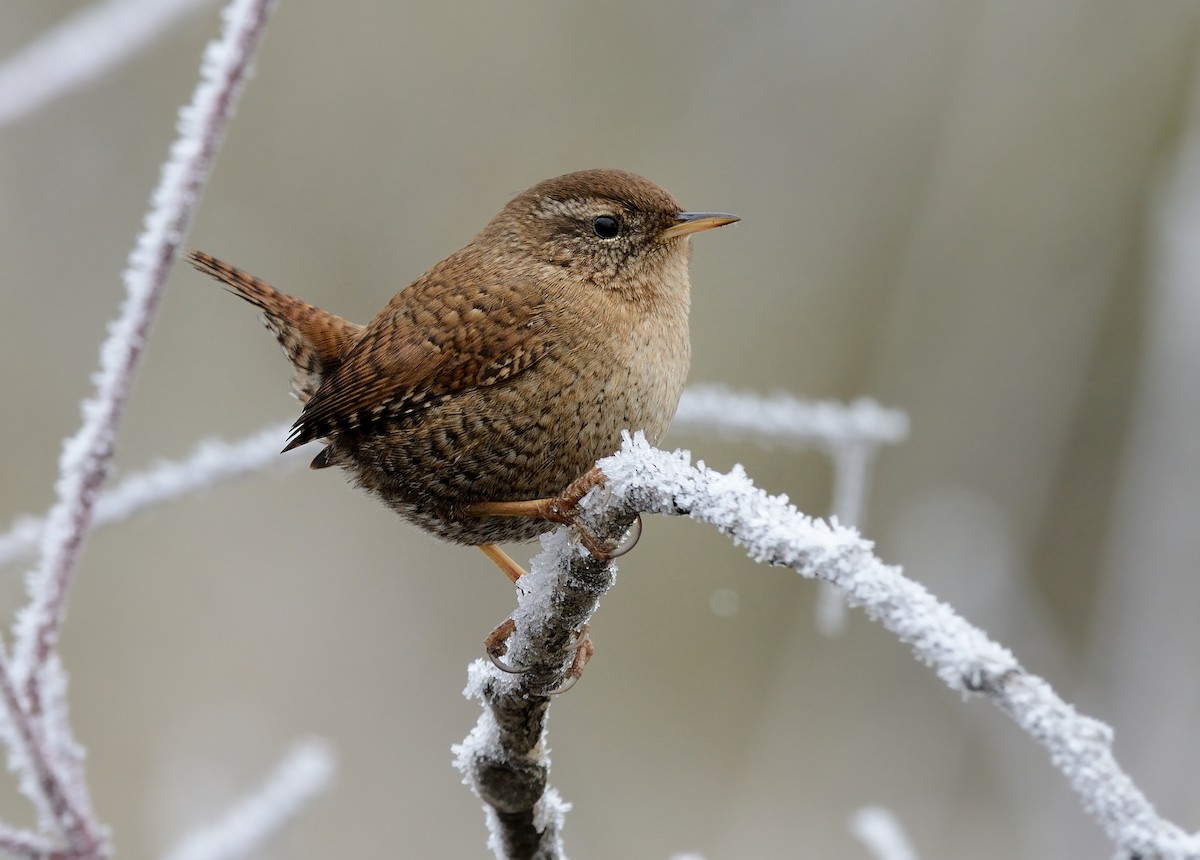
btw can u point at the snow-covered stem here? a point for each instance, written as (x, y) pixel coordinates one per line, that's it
(852, 463)
(306, 772)
(32, 685)
(643, 479)
(851, 434)
(76, 52)
(781, 419)
(23, 844)
(86, 456)
(61, 799)
(881, 833)
(504, 758)
(212, 462)
(861, 426)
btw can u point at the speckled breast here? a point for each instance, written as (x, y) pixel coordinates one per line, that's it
(526, 438)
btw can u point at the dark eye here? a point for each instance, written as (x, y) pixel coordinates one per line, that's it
(606, 226)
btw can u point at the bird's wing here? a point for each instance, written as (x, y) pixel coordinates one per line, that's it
(433, 340)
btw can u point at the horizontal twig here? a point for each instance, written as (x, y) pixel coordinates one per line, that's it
(212, 462)
(23, 844)
(643, 479)
(777, 419)
(76, 52)
(781, 419)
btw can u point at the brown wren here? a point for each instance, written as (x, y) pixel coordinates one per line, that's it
(500, 376)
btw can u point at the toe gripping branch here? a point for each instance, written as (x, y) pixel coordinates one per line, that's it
(564, 508)
(553, 645)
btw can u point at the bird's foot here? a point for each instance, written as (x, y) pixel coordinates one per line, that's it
(496, 646)
(563, 508)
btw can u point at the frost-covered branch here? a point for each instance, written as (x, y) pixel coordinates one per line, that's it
(781, 419)
(504, 758)
(306, 772)
(17, 843)
(73, 54)
(773, 532)
(777, 419)
(643, 479)
(86, 456)
(879, 830)
(212, 462)
(852, 434)
(42, 749)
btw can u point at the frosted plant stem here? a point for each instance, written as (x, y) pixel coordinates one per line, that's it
(774, 420)
(76, 52)
(212, 462)
(882, 834)
(18, 843)
(39, 780)
(643, 479)
(33, 686)
(504, 758)
(851, 485)
(780, 419)
(243, 831)
(86, 456)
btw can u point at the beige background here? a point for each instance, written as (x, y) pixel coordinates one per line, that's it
(954, 207)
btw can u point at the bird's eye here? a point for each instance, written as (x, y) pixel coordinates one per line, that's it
(606, 226)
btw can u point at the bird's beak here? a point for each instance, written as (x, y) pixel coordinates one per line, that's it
(694, 222)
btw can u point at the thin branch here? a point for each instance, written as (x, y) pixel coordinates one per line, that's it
(32, 684)
(23, 844)
(85, 458)
(852, 435)
(504, 758)
(781, 419)
(40, 776)
(882, 834)
(306, 772)
(643, 479)
(76, 52)
(852, 463)
(212, 462)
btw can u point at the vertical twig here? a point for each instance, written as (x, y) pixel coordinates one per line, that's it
(84, 462)
(32, 685)
(504, 758)
(852, 462)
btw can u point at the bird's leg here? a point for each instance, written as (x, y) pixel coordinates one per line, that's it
(503, 561)
(560, 509)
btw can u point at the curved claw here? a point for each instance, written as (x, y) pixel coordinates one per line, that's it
(629, 542)
(583, 653)
(496, 644)
(505, 667)
(567, 684)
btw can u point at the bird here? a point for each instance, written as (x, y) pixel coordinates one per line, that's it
(476, 403)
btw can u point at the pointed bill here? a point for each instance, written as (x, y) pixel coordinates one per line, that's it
(694, 222)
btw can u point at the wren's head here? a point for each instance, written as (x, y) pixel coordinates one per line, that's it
(608, 227)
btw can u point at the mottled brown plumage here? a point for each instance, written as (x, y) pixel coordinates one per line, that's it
(505, 371)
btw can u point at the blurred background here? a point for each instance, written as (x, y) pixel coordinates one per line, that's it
(982, 212)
